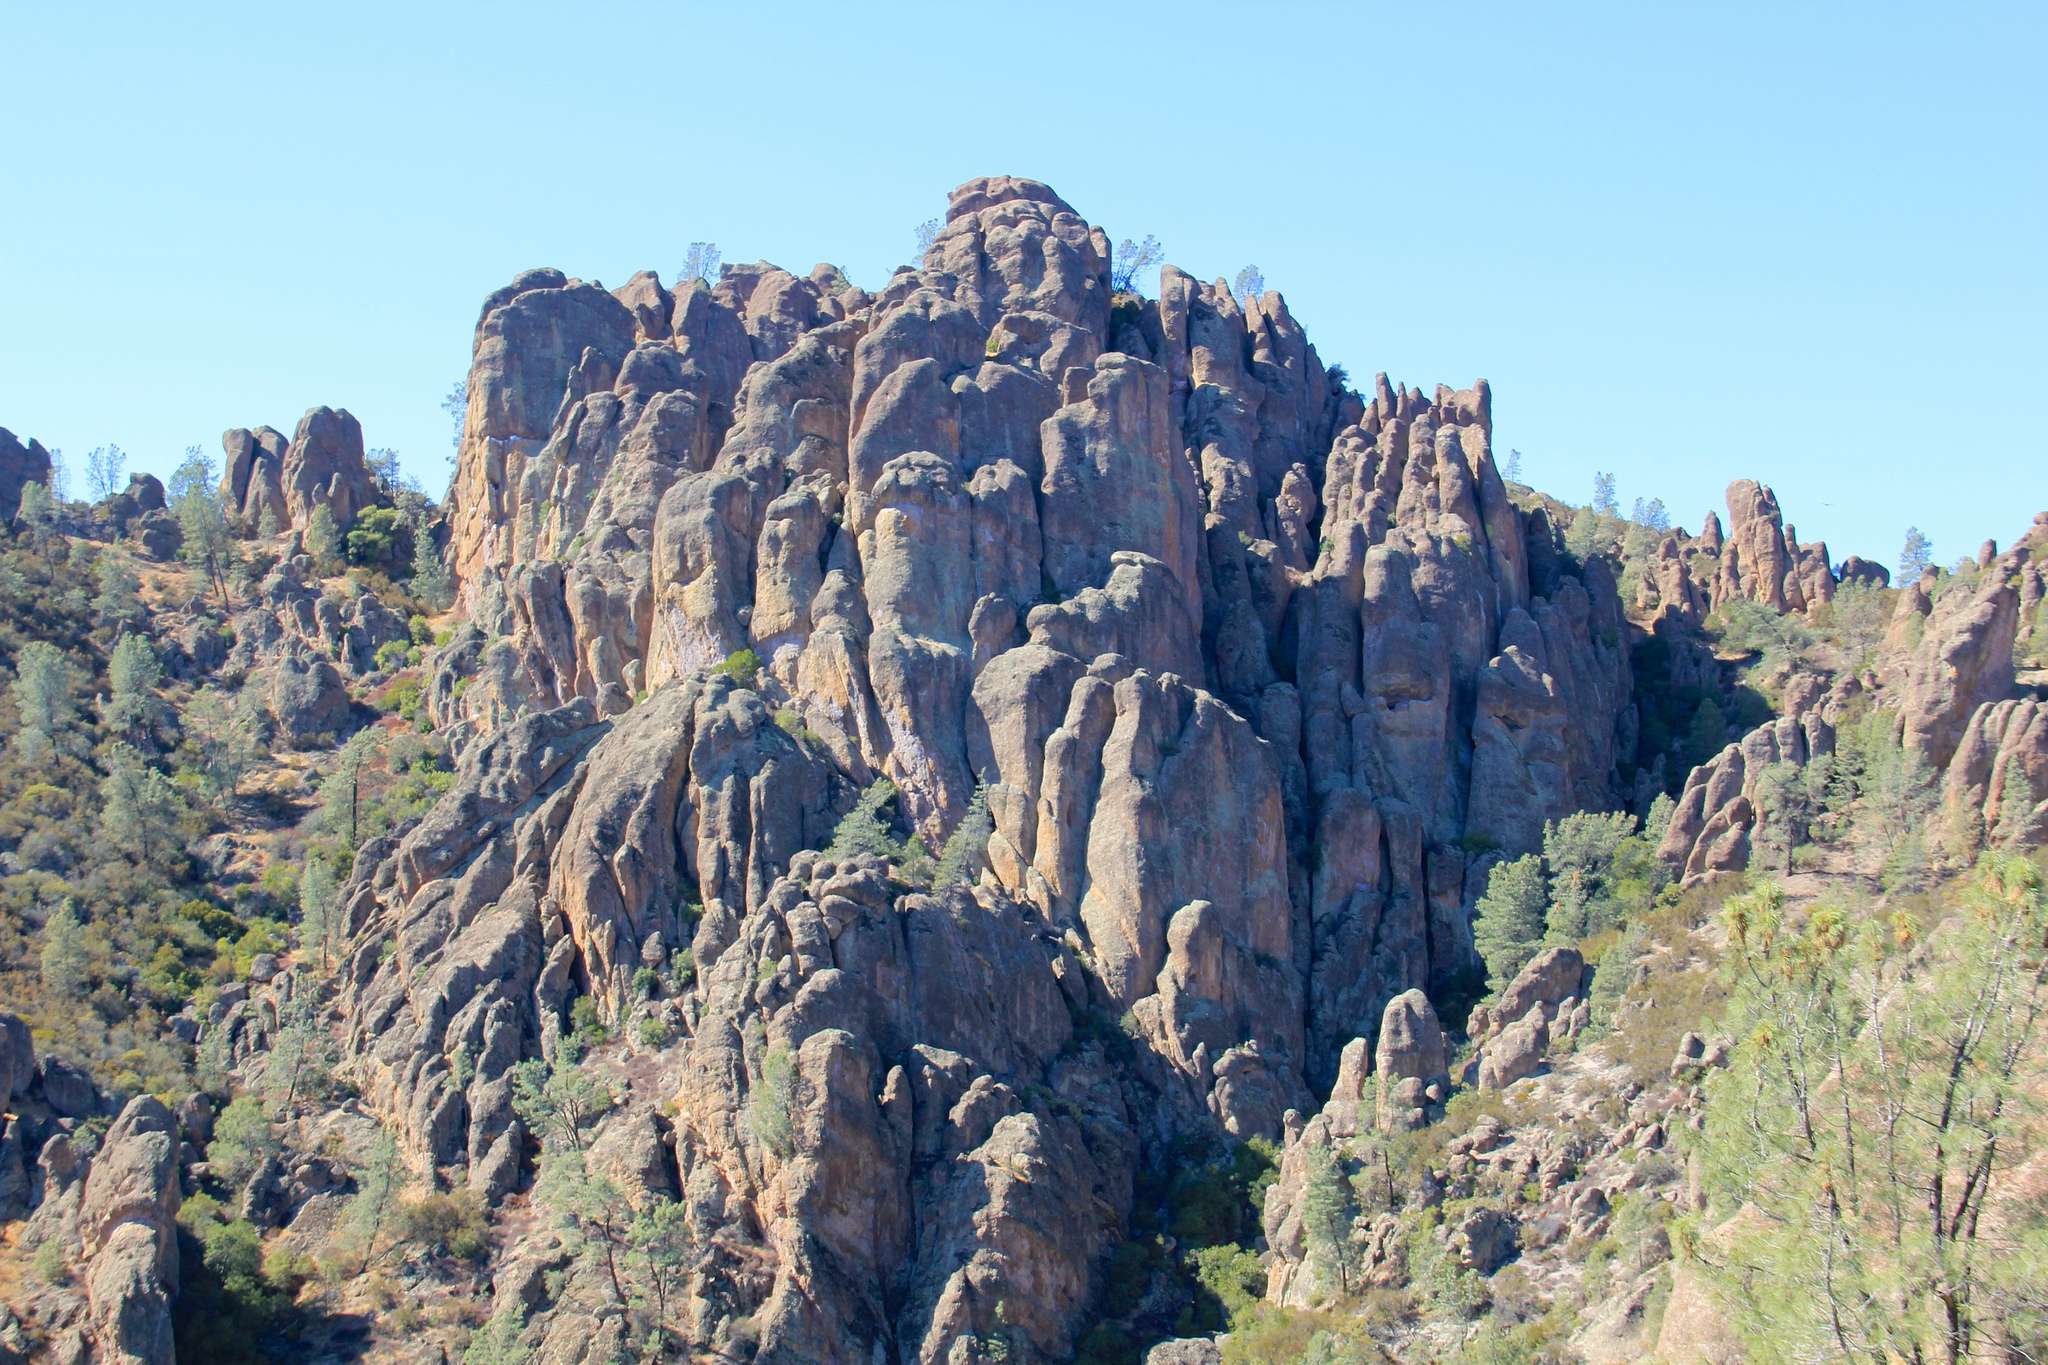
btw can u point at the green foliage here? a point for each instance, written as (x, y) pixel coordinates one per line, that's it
(1876, 1105)
(221, 740)
(768, 1106)
(431, 581)
(44, 708)
(1509, 926)
(378, 539)
(1581, 852)
(323, 540)
(141, 811)
(226, 1305)
(1916, 556)
(743, 666)
(1328, 1209)
(1776, 638)
(207, 547)
(116, 603)
(66, 972)
(965, 853)
(134, 673)
(1235, 1277)
(242, 1138)
(865, 828)
(393, 655)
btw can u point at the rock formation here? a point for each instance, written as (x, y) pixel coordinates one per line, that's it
(112, 1213)
(267, 480)
(1258, 675)
(21, 463)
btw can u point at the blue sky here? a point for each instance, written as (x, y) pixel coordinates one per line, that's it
(1801, 243)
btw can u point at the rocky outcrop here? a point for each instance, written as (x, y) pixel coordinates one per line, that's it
(128, 1237)
(1412, 1063)
(21, 463)
(109, 1207)
(267, 481)
(1545, 1001)
(1257, 676)
(1997, 782)
(290, 612)
(1712, 827)
(1963, 658)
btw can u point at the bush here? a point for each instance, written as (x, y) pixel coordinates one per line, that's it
(768, 1108)
(452, 1224)
(743, 666)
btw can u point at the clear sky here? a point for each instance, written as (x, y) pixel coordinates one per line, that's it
(1687, 244)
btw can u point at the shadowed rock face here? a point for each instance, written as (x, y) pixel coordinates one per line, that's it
(1260, 675)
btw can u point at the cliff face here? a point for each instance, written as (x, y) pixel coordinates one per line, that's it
(1259, 675)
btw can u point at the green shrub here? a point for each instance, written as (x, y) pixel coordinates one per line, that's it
(774, 1094)
(743, 666)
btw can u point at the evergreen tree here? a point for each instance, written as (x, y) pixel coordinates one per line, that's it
(966, 849)
(373, 1209)
(222, 739)
(318, 930)
(1328, 1209)
(195, 498)
(1876, 1105)
(141, 812)
(1605, 503)
(104, 468)
(35, 512)
(1509, 926)
(557, 1102)
(323, 540)
(116, 603)
(1249, 284)
(65, 970)
(865, 828)
(133, 708)
(341, 792)
(43, 703)
(242, 1138)
(431, 581)
(1916, 556)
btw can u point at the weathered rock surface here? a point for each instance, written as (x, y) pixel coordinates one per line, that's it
(269, 481)
(22, 462)
(1258, 675)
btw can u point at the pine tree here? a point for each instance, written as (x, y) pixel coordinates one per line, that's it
(43, 702)
(116, 603)
(133, 708)
(865, 828)
(371, 1211)
(431, 581)
(323, 540)
(557, 1102)
(341, 792)
(195, 498)
(1328, 1209)
(103, 470)
(140, 810)
(317, 912)
(965, 853)
(1916, 556)
(1510, 923)
(65, 970)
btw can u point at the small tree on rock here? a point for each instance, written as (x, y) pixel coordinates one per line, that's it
(1131, 260)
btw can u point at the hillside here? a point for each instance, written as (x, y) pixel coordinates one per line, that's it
(1000, 819)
